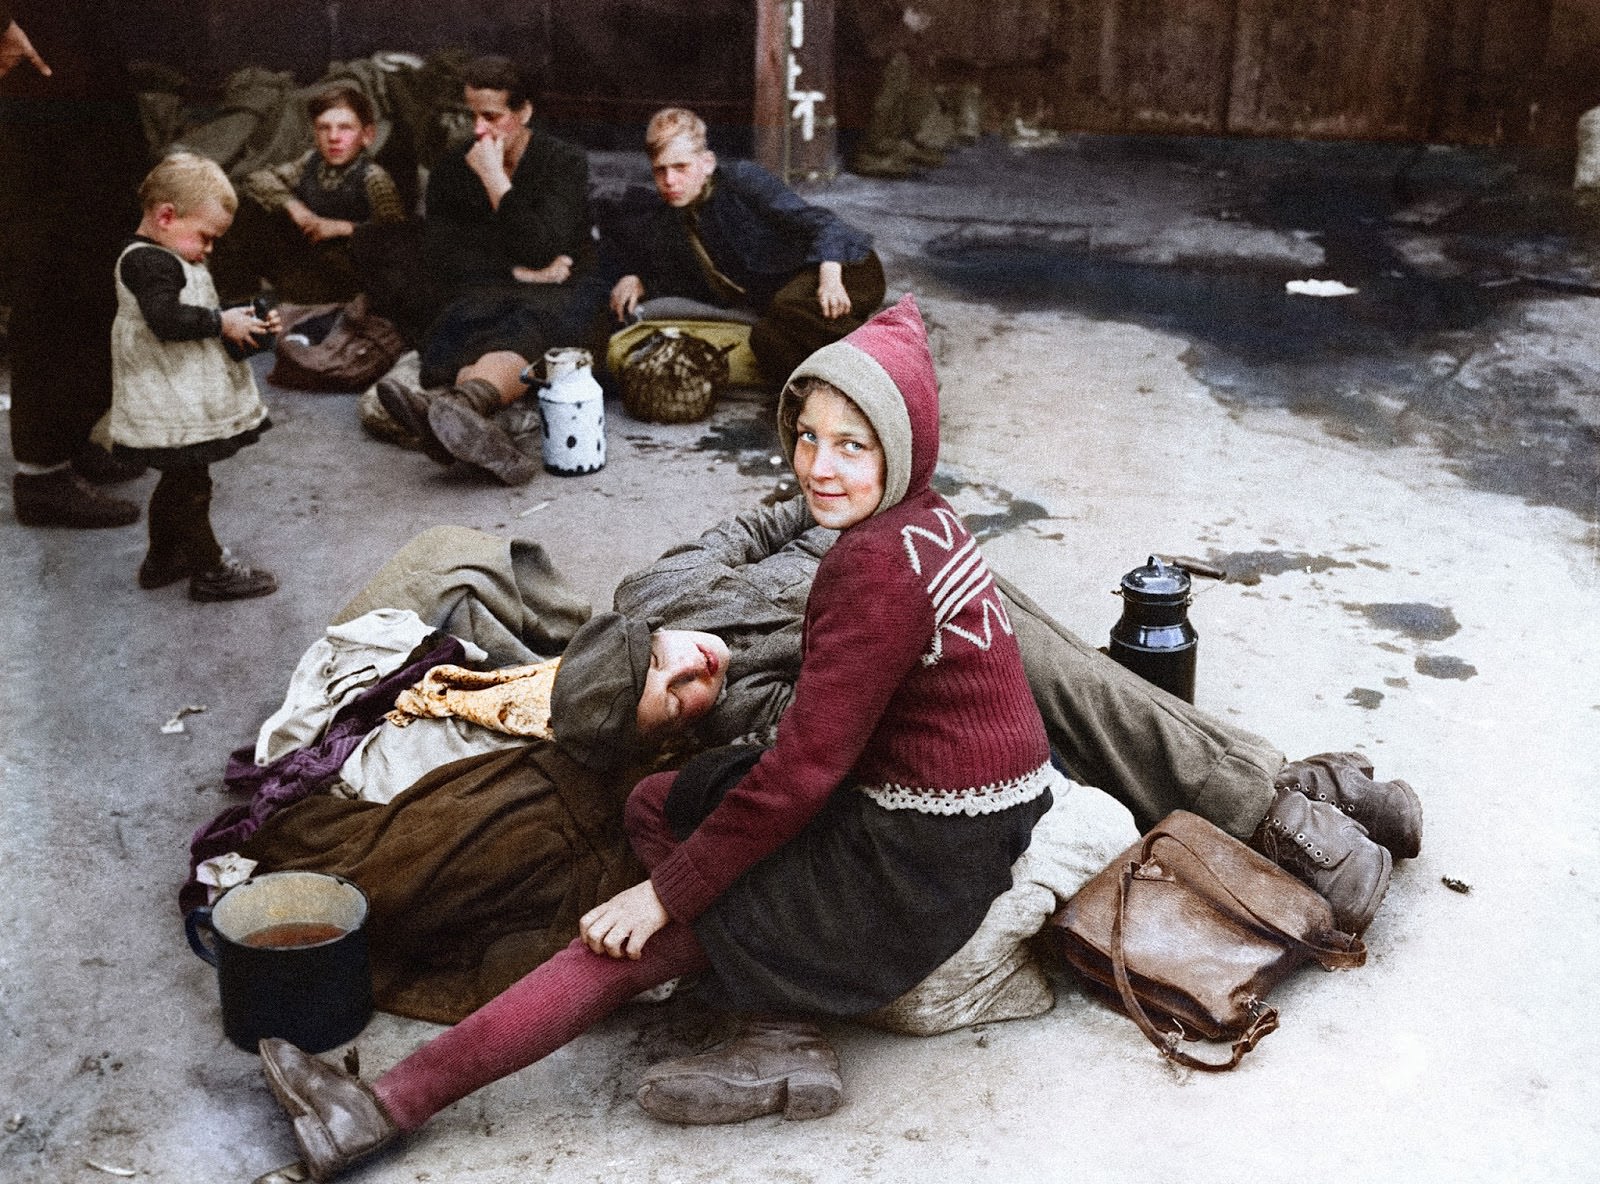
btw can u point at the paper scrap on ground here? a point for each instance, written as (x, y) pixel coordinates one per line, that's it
(1319, 288)
(175, 724)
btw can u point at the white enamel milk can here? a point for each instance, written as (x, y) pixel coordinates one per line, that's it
(572, 413)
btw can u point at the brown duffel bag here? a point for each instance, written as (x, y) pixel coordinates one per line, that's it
(1188, 930)
(335, 347)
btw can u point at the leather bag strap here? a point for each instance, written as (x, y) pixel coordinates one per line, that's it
(1266, 1018)
(1334, 957)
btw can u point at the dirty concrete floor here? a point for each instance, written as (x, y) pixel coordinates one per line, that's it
(1401, 483)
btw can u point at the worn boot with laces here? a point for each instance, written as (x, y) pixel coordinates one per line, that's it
(1390, 811)
(1328, 850)
(462, 420)
(229, 579)
(772, 1065)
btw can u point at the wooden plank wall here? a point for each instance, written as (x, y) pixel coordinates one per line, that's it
(1461, 71)
(1515, 72)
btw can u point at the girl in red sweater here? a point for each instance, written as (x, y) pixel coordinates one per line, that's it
(832, 872)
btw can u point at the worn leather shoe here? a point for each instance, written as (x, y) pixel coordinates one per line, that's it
(231, 580)
(773, 1065)
(462, 421)
(337, 1119)
(62, 498)
(1390, 810)
(1328, 850)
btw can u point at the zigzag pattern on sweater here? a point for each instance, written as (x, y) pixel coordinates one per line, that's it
(960, 579)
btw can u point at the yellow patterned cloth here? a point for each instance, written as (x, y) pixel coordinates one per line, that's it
(514, 700)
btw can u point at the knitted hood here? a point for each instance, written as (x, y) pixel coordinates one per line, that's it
(886, 369)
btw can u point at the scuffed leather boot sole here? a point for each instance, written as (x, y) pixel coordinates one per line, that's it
(471, 437)
(698, 1100)
(409, 409)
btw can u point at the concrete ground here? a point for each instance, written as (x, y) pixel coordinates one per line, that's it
(1401, 484)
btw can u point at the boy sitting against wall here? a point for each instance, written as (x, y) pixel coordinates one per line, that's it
(299, 217)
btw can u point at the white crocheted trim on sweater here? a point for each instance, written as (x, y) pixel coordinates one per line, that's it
(980, 799)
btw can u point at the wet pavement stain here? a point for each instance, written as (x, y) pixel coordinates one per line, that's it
(1013, 512)
(747, 439)
(1441, 666)
(1421, 622)
(1408, 358)
(1247, 567)
(1365, 698)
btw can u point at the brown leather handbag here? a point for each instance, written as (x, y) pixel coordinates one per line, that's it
(1188, 930)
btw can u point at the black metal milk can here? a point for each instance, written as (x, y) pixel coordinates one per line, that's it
(1154, 638)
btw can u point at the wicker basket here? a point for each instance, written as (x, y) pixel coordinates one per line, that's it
(673, 377)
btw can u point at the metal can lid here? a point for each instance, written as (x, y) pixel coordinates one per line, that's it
(1157, 583)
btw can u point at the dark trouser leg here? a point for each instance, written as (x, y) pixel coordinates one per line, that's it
(793, 328)
(180, 519)
(61, 352)
(1151, 751)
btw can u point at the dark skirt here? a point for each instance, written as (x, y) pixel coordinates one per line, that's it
(525, 319)
(190, 456)
(858, 908)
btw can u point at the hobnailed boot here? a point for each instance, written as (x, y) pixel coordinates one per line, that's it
(62, 498)
(772, 1065)
(337, 1119)
(408, 406)
(1390, 811)
(1328, 850)
(462, 419)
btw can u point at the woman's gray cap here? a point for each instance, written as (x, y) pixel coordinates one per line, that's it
(594, 705)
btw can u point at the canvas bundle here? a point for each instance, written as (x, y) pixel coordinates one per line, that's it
(1188, 930)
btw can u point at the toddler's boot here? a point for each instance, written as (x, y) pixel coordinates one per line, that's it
(337, 1119)
(772, 1065)
(1390, 810)
(462, 419)
(1329, 851)
(62, 498)
(230, 580)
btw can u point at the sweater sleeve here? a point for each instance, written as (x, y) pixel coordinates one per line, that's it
(383, 199)
(467, 242)
(867, 625)
(831, 239)
(156, 280)
(273, 187)
(751, 536)
(547, 211)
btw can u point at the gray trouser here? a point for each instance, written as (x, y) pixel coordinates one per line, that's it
(1148, 749)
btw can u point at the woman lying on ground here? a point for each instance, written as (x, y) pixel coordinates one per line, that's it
(912, 735)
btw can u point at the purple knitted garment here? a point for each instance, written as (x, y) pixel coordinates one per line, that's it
(298, 774)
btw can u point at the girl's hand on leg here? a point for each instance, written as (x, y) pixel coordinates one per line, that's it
(620, 927)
